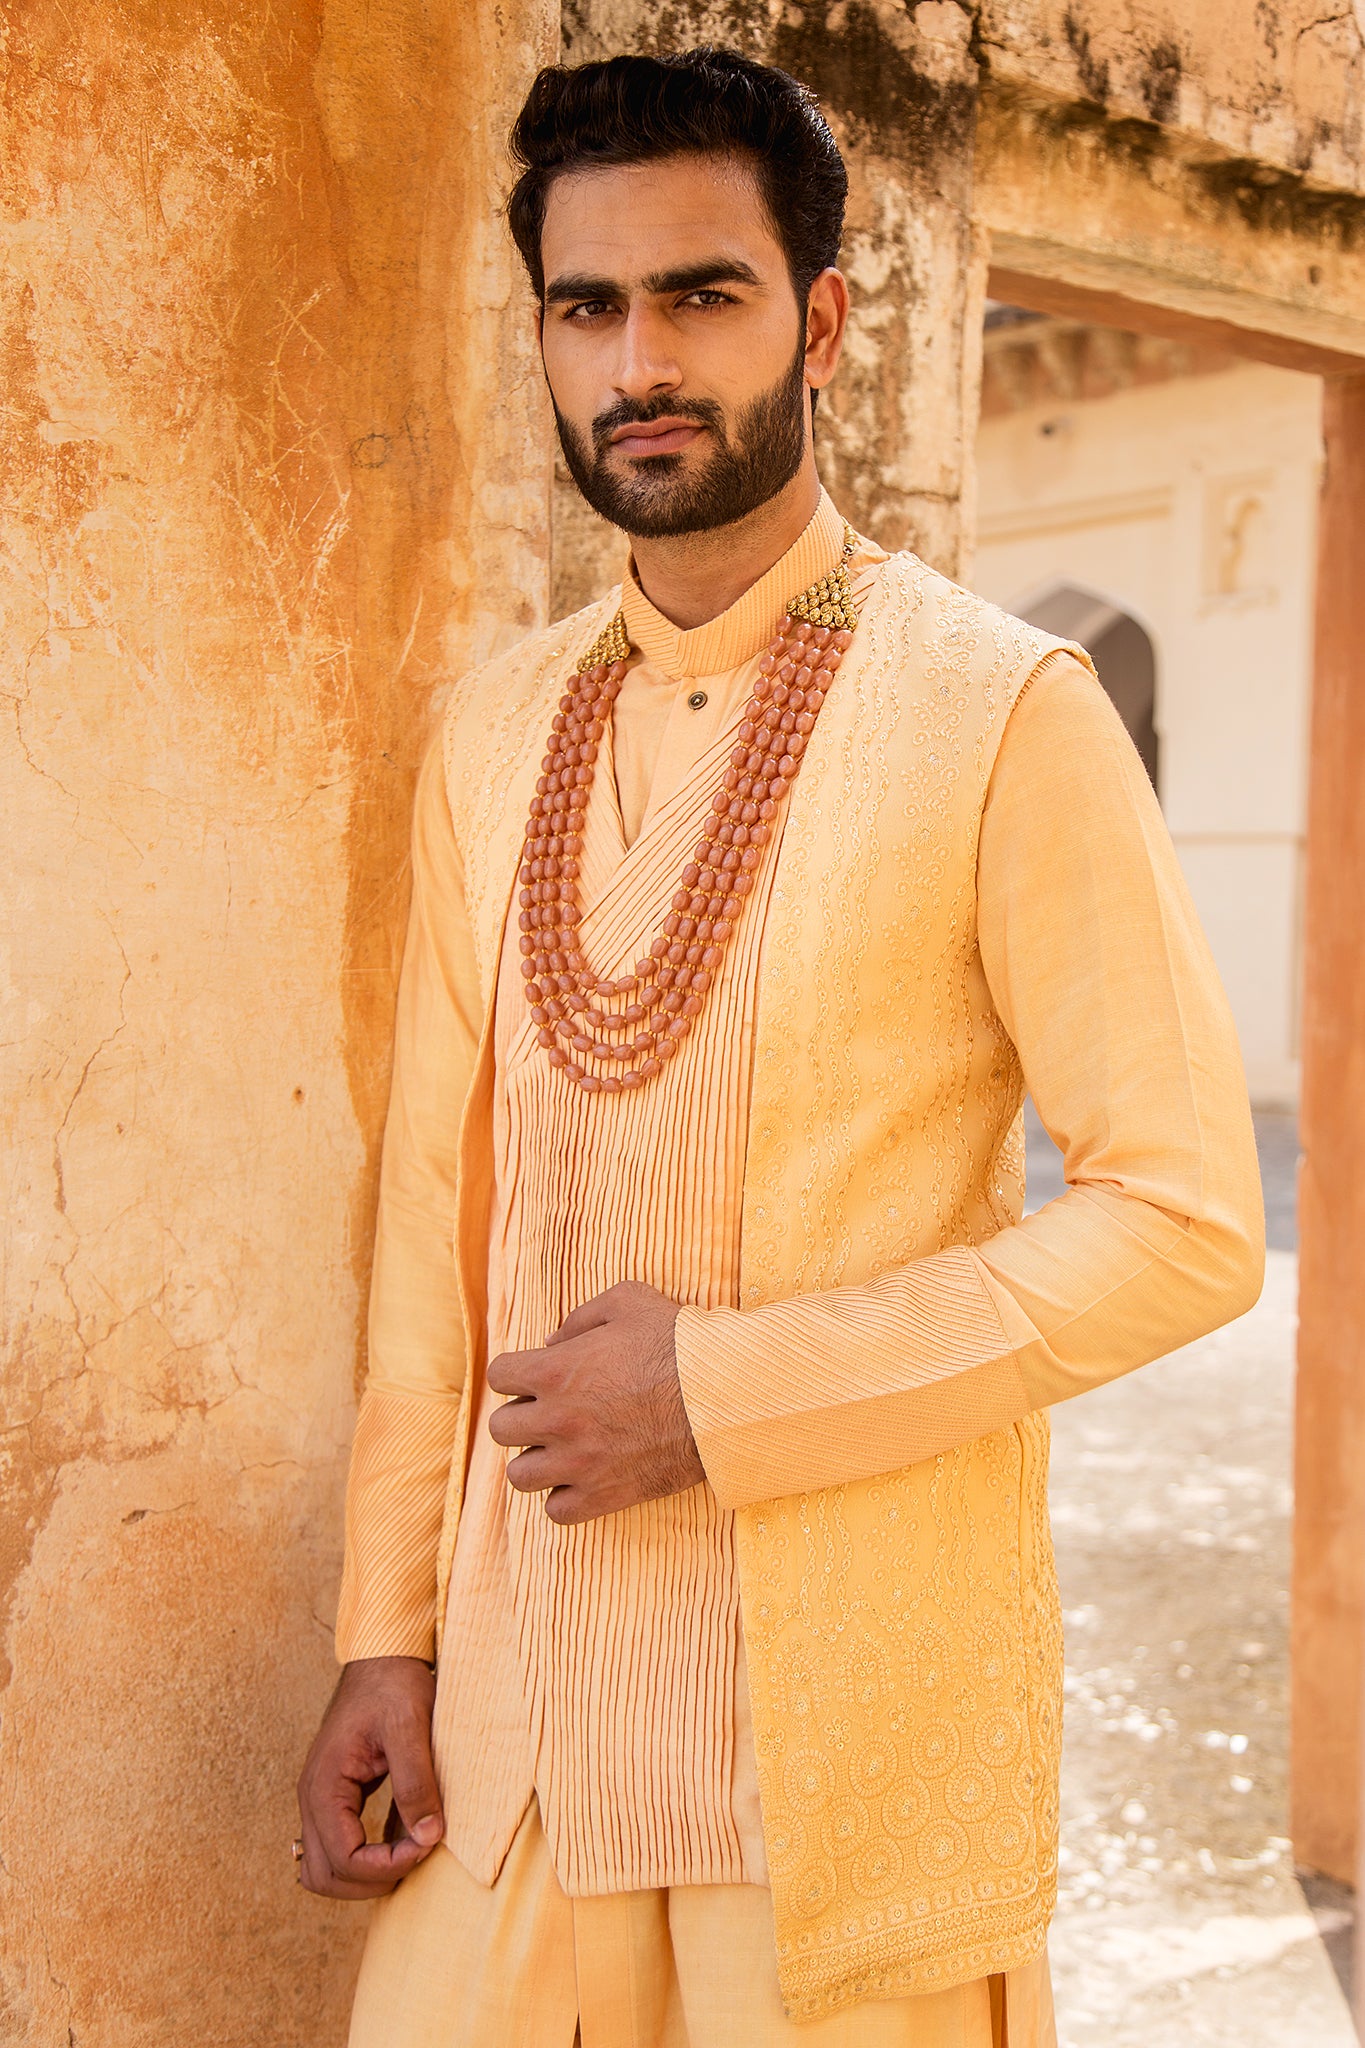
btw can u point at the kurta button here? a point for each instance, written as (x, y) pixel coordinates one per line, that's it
(696, 700)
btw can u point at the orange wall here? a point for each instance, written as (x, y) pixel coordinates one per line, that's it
(271, 460)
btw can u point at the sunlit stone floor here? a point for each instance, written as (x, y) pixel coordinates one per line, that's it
(1181, 1922)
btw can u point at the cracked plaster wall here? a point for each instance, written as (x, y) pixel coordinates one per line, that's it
(1280, 83)
(271, 461)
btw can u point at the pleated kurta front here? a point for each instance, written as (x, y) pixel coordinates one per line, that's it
(601, 1665)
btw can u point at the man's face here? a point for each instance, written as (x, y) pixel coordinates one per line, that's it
(673, 344)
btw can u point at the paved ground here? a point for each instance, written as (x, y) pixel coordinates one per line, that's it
(1181, 1922)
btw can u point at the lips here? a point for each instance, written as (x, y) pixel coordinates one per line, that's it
(655, 437)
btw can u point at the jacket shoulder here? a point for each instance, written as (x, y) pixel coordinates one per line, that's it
(503, 677)
(498, 714)
(1008, 650)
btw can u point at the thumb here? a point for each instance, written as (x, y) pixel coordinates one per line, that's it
(412, 1778)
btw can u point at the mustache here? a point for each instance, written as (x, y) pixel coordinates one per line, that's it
(638, 412)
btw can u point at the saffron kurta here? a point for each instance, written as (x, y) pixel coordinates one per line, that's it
(973, 885)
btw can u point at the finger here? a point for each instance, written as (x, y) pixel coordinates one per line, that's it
(567, 1505)
(518, 1422)
(328, 1885)
(536, 1471)
(334, 1815)
(514, 1372)
(589, 1315)
(364, 1870)
(412, 1780)
(317, 1875)
(379, 1866)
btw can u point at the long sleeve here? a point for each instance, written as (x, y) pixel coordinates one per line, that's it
(405, 1430)
(1101, 975)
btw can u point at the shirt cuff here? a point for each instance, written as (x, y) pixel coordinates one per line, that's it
(395, 1503)
(827, 1388)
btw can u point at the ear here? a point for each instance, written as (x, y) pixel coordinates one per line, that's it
(826, 323)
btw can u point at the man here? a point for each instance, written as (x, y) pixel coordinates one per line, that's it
(709, 1356)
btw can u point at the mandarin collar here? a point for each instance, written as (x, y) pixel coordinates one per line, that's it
(744, 630)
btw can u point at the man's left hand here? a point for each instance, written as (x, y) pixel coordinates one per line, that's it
(599, 1408)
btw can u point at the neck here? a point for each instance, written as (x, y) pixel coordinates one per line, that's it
(693, 577)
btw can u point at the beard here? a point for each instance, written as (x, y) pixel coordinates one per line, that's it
(658, 498)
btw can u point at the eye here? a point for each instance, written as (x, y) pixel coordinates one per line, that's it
(708, 297)
(587, 309)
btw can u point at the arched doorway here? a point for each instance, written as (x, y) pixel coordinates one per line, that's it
(1121, 650)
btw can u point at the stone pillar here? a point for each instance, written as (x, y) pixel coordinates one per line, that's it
(1329, 1550)
(896, 432)
(271, 460)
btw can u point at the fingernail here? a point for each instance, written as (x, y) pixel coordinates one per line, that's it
(427, 1830)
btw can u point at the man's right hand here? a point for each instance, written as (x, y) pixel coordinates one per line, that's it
(378, 1725)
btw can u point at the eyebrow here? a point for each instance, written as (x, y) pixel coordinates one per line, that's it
(688, 277)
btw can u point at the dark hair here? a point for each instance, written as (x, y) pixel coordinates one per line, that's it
(704, 102)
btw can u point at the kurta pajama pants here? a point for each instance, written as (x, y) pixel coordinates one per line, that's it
(451, 1963)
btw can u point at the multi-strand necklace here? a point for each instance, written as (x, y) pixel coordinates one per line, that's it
(609, 1035)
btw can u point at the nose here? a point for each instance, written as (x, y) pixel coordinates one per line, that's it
(647, 363)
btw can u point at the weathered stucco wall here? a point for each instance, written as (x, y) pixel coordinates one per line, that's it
(270, 460)
(1277, 87)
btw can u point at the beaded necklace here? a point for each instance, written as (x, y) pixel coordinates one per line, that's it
(653, 1009)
